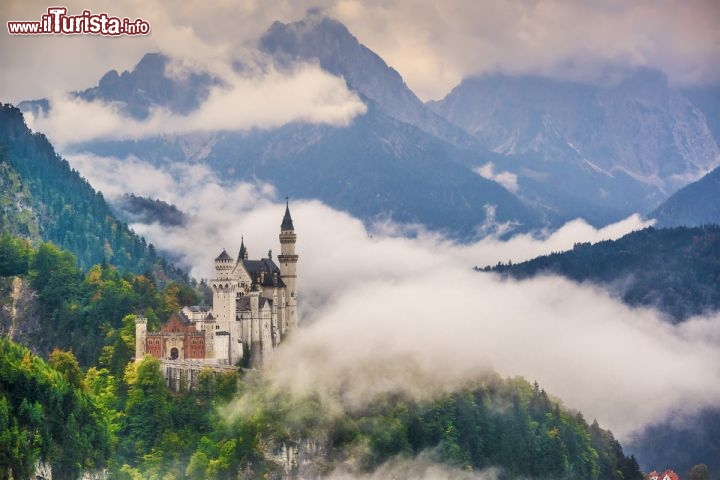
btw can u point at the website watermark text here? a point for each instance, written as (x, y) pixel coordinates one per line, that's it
(57, 22)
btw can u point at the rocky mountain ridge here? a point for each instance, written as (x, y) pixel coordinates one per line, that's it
(620, 147)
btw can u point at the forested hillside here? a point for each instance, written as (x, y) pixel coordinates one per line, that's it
(78, 310)
(134, 426)
(506, 424)
(47, 414)
(676, 270)
(43, 199)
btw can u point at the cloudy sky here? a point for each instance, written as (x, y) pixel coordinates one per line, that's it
(432, 44)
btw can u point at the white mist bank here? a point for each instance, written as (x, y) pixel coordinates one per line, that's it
(261, 97)
(382, 312)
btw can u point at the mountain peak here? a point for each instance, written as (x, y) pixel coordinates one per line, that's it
(320, 37)
(147, 85)
(314, 23)
(327, 41)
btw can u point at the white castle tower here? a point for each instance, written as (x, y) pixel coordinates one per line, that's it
(254, 301)
(140, 335)
(288, 265)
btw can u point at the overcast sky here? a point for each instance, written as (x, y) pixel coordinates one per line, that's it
(432, 44)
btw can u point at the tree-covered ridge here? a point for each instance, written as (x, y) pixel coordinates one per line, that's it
(83, 311)
(59, 206)
(505, 424)
(676, 270)
(681, 444)
(133, 208)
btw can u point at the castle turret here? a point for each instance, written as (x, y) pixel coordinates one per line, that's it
(223, 266)
(209, 331)
(225, 288)
(140, 335)
(288, 266)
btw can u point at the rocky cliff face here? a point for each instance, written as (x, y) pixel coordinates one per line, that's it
(19, 320)
(640, 126)
(304, 458)
(618, 148)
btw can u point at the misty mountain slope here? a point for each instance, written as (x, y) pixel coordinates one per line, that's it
(682, 444)
(639, 131)
(133, 209)
(376, 168)
(696, 204)
(707, 100)
(327, 41)
(51, 202)
(574, 190)
(675, 270)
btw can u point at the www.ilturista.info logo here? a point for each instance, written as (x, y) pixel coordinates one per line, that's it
(58, 22)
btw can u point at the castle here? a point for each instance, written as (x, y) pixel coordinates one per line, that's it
(254, 308)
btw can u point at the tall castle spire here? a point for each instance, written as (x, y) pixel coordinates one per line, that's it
(288, 265)
(243, 255)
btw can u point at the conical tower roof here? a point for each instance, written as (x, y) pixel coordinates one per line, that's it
(223, 256)
(287, 223)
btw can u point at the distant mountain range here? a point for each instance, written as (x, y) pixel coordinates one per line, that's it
(562, 149)
(579, 148)
(695, 204)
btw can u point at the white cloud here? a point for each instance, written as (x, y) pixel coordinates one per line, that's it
(436, 44)
(266, 99)
(381, 311)
(506, 179)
